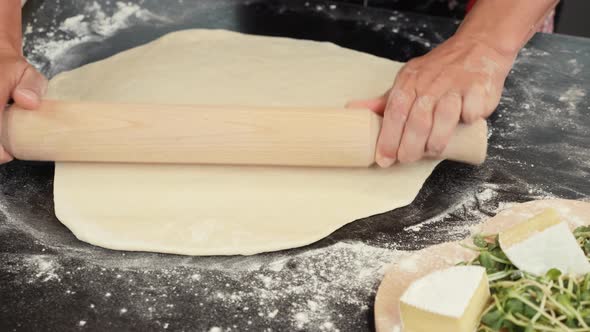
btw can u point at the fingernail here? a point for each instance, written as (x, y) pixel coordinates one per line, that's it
(384, 161)
(30, 94)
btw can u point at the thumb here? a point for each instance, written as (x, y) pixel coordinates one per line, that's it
(30, 89)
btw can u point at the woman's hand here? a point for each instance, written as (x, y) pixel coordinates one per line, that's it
(460, 80)
(20, 82)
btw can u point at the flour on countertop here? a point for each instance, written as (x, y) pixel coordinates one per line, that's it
(481, 205)
(45, 268)
(573, 96)
(307, 288)
(92, 25)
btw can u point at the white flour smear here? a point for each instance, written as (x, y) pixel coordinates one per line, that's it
(92, 25)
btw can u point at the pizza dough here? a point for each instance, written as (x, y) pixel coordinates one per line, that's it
(401, 274)
(217, 210)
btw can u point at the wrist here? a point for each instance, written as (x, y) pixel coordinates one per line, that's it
(505, 47)
(505, 25)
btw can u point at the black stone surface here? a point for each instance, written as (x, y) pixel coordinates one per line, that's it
(50, 281)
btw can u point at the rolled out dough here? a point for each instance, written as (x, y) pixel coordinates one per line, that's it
(217, 210)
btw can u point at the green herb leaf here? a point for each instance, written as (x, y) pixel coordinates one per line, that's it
(553, 274)
(525, 303)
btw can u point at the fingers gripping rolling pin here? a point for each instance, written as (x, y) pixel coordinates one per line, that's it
(139, 133)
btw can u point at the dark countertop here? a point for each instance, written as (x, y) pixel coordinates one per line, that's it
(49, 281)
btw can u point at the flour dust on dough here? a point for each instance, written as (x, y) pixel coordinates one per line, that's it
(223, 210)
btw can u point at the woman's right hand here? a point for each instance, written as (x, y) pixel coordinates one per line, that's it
(20, 82)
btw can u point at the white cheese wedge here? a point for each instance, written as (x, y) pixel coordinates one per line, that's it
(449, 300)
(542, 243)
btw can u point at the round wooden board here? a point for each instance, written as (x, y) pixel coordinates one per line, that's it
(400, 275)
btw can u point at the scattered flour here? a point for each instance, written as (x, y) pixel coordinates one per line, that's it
(316, 283)
(572, 96)
(44, 268)
(93, 25)
(575, 66)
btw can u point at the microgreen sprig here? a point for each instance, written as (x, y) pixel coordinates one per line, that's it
(522, 302)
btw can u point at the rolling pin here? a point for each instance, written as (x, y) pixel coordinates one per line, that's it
(189, 134)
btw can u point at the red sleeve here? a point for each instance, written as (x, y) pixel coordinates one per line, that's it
(470, 4)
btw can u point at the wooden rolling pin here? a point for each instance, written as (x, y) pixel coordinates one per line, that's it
(147, 133)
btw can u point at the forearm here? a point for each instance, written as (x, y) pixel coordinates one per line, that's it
(505, 25)
(10, 24)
